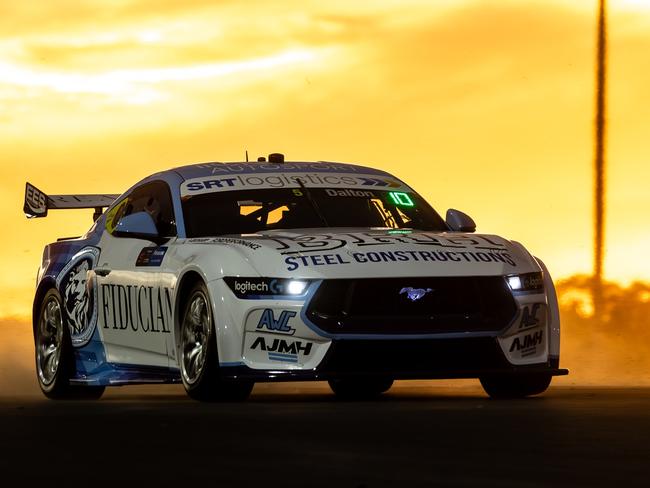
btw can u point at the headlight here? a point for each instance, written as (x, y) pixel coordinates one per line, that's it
(296, 287)
(266, 287)
(526, 283)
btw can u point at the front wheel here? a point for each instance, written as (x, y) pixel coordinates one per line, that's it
(198, 356)
(360, 388)
(515, 386)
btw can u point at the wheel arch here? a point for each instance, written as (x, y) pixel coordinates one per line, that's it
(185, 284)
(43, 287)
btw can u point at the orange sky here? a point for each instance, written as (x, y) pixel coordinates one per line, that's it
(486, 106)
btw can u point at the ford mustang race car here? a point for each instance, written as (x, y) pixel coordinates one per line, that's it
(220, 275)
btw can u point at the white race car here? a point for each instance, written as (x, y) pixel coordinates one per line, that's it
(221, 275)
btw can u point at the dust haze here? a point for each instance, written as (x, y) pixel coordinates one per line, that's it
(610, 350)
(17, 371)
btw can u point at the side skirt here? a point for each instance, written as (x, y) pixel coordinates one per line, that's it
(109, 374)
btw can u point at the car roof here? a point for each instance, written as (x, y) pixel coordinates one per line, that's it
(216, 168)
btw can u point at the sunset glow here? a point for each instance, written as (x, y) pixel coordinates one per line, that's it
(137, 85)
(485, 106)
(635, 5)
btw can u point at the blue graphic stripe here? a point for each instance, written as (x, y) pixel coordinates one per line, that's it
(283, 357)
(230, 364)
(279, 354)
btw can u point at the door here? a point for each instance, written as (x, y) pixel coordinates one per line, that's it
(135, 305)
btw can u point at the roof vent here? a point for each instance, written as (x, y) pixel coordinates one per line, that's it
(261, 159)
(276, 158)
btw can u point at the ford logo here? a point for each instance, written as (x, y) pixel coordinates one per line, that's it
(414, 294)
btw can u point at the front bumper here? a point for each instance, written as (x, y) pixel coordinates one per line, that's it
(279, 340)
(403, 359)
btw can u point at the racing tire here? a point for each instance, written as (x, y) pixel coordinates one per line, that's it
(515, 386)
(54, 355)
(360, 388)
(198, 357)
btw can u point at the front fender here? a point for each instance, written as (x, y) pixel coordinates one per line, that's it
(554, 312)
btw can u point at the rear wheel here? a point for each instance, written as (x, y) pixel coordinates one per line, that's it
(199, 360)
(360, 388)
(54, 356)
(516, 386)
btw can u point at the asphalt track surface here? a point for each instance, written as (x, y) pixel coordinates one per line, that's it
(286, 435)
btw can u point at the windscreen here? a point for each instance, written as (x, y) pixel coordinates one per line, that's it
(250, 211)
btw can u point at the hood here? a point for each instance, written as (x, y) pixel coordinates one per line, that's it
(367, 253)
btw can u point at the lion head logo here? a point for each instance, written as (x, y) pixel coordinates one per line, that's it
(76, 297)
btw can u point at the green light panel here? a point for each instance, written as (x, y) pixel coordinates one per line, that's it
(400, 198)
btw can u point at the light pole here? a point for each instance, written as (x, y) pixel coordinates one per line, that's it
(599, 160)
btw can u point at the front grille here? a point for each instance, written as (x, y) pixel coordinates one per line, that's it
(383, 306)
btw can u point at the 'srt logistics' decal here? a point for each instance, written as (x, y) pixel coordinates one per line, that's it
(197, 186)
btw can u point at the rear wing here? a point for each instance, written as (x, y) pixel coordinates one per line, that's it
(38, 203)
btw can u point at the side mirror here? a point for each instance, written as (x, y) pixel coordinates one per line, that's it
(459, 221)
(139, 225)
